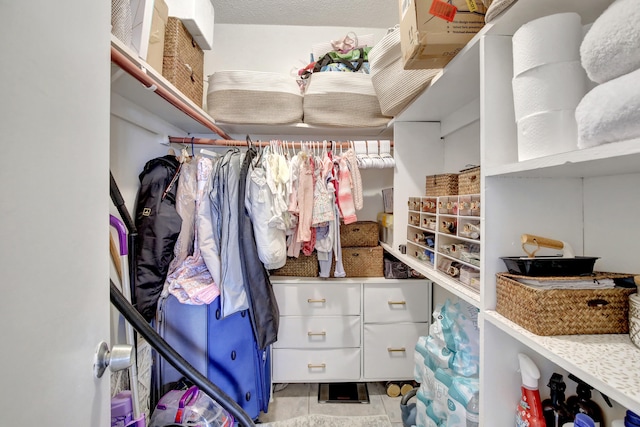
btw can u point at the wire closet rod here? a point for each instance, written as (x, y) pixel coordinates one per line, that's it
(238, 143)
(125, 64)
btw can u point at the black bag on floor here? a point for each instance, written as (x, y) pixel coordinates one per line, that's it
(158, 225)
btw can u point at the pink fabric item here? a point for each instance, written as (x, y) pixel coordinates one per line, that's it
(307, 247)
(191, 282)
(345, 198)
(305, 200)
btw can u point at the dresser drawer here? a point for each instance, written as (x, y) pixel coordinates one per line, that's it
(388, 349)
(322, 299)
(396, 302)
(306, 332)
(317, 365)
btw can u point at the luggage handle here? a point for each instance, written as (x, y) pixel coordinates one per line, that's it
(185, 400)
(122, 233)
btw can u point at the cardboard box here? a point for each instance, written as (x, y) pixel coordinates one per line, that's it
(428, 41)
(156, 37)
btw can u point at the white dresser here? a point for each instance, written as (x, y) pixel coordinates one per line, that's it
(337, 330)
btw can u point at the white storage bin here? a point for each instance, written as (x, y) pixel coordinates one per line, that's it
(254, 97)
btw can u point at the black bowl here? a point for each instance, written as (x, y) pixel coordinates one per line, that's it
(550, 265)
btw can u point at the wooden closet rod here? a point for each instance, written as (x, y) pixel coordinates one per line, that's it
(237, 143)
(124, 63)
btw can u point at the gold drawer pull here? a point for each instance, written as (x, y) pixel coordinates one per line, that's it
(311, 300)
(321, 366)
(401, 349)
(323, 333)
(397, 302)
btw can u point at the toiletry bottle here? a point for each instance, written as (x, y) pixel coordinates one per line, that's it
(554, 408)
(529, 410)
(581, 402)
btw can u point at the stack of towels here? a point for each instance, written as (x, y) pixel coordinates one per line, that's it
(610, 54)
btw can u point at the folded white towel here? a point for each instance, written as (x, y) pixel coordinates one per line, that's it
(611, 47)
(610, 112)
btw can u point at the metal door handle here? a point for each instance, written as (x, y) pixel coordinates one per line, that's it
(397, 302)
(323, 333)
(311, 300)
(391, 349)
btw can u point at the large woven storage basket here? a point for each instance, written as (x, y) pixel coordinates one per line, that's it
(395, 86)
(303, 266)
(338, 99)
(469, 181)
(442, 185)
(359, 234)
(564, 311)
(183, 61)
(362, 262)
(255, 97)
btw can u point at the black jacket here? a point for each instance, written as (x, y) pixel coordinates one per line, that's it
(158, 225)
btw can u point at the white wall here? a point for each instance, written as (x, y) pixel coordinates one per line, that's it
(277, 49)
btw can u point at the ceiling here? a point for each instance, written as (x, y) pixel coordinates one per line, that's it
(329, 13)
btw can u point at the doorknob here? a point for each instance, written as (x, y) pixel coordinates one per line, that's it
(118, 358)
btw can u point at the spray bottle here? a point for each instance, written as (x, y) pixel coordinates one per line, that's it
(529, 410)
(581, 402)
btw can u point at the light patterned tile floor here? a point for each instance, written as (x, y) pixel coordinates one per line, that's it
(301, 399)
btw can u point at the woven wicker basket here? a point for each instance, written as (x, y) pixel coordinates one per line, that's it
(359, 234)
(469, 181)
(564, 311)
(183, 61)
(362, 262)
(303, 266)
(442, 185)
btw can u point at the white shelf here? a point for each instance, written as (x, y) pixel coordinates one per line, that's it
(608, 159)
(131, 89)
(303, 129)
(441, 279)
(609, 363)
(458, 84)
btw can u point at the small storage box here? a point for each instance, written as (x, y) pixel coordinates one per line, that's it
(254, 97)
(338, 99)
(359, 234)
(303, 266)
(469, 181)
(362, 262)
(442, 185)
(564, 311)
(183, 61)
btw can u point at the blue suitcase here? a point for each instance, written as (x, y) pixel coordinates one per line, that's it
(223, 349)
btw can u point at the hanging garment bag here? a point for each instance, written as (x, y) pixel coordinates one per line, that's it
(223, 349)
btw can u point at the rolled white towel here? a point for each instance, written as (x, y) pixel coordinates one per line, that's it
(610, 112)
(611, 48)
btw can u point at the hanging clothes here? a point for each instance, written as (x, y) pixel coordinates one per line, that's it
(264, 312)
(158, 225)
(261, 204)
(191, 282)
(224, 197)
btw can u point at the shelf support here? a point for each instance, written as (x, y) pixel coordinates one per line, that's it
(125, 64)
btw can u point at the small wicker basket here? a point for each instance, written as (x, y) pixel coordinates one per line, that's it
(469, 181)
(303, 266)
(564, 311)
(359, 234)
(442, 185)
(362, 262)
(183, 61)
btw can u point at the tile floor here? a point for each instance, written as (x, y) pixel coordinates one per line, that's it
(302, 399)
